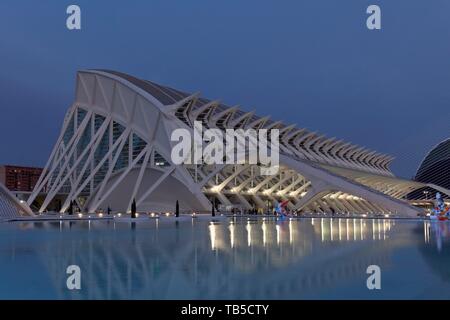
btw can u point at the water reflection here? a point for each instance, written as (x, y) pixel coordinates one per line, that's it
(436, 248)
(288, 232)
(437, 232)
(236, 259)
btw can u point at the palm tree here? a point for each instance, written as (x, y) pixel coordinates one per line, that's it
(213, 209)
(177, 210)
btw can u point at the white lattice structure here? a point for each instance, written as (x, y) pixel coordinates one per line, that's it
(10, 206)
(115, 146)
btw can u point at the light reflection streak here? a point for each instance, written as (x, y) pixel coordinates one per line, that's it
(321, 230)
(379, 229)
(426, 231)
(361, 228)
(226, 236)
(331, 229)
(278, 234)
(212, 235)
(249, 234)
(231, 227)
(291, 236)
(264, 228)
(373, 229)
(346, 228)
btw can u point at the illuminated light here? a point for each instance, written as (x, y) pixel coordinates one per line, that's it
(21, 201)
(152, 214)
(137, 215)
(119, 214)
(100, 215)
(386, 216)
(194, 214)
(364, 215)
(80, 215)
(215, 189)
(167, 214)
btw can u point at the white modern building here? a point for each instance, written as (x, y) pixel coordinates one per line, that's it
(115, 146)
(10, 206)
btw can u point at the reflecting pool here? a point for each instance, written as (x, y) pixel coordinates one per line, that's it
(226, 259)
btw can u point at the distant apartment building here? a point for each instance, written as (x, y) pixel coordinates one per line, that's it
(22, 179)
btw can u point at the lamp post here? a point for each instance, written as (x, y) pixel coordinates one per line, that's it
(213, 209)
(133, 209)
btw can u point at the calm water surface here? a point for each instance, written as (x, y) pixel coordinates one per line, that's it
(227, 259)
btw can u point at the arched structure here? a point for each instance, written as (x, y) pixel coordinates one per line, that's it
(115, 147)
(434, 169)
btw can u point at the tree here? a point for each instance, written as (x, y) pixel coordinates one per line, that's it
(213, 209)
(177, 209)
(133, 209)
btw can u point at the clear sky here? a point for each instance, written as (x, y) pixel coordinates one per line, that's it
(309, 62)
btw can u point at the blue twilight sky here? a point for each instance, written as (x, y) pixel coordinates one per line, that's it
(309, 62)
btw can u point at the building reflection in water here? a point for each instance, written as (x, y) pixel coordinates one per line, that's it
(236, 259)
(435, 248)
(439, 231)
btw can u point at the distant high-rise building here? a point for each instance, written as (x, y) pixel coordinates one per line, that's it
(17, 178)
